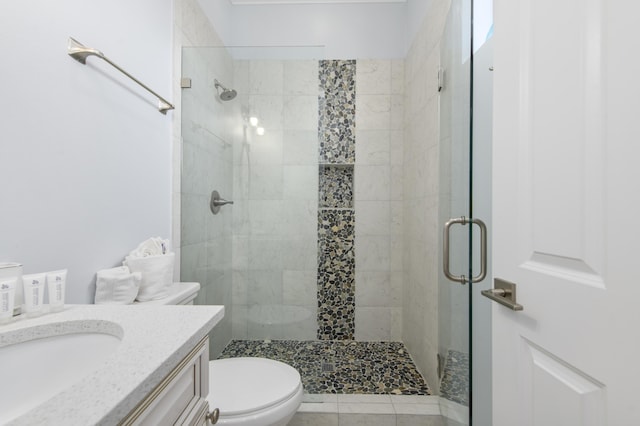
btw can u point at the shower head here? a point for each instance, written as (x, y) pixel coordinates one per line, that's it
(226, 94)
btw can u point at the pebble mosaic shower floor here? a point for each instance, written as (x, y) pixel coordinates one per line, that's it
(341, 367)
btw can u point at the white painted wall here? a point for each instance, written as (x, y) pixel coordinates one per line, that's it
(347, 31)
(416, 13)
(85, 166)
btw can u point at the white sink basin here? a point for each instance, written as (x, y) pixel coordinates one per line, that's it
(39, 362)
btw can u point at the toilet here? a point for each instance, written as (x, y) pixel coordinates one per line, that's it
(248, 391)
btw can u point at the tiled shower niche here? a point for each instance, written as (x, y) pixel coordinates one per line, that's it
(336, 215)
(336, 186)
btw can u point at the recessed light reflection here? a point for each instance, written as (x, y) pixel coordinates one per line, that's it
(260, 131)
(253, 121)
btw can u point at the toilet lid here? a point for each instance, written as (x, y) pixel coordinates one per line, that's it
(243, 385)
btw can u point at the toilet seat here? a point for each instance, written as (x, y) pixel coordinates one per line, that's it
(253, 390)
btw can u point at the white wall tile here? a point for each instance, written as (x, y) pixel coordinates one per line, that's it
(300, 324)
(373, 289)
(300, 112)
(266, 77)
(372, 183)
(239, 290)
(373, 77)
(300, 147)
(299, 288)
(239, 322)
(300, 182)
(265, 182)
(264, 287)
(269, 109)
(377, 407)
(301, 77)
(373, 324)
(396, 146)
(396, 119)
(364, 398)
(300, 253)
(266, 149)
(300, 218)
(372, 147)
(397, 76)
(265, 254)
(372, 253)
(373, 112)
(373, 218)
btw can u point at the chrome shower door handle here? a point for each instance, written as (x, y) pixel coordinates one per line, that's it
(483, 250)
(217, 202)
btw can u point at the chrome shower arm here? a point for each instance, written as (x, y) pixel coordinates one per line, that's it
(79, 52)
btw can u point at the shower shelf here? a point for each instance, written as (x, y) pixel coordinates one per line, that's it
(337, 165)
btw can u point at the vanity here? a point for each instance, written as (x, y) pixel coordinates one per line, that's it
(108, 365)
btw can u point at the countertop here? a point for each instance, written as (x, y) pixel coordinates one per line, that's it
(154, 340)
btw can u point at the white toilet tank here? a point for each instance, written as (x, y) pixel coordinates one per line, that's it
(178, 294)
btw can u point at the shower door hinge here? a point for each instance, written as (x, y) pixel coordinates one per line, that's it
(185, 83)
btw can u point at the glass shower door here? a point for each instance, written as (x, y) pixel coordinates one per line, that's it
(454, 290)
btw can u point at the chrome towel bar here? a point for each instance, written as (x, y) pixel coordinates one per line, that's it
(79, 52)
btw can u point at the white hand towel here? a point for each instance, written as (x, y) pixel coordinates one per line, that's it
(117, 286)
(157, 274)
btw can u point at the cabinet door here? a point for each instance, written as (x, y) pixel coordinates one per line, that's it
(180, 397)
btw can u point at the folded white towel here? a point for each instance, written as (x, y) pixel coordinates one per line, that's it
(117, 286)
(157, 274)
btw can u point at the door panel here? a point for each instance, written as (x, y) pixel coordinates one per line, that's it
(560, 394)
(562, 181)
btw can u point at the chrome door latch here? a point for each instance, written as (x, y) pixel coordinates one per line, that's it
(503, 292)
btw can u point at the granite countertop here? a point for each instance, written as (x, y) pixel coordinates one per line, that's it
(154, 339)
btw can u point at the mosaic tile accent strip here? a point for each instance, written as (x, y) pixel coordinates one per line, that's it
(337, 111)
(358, 367)
(336, 275)
(336, 259)
(454, 385)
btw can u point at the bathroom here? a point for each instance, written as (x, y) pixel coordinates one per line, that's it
(91, 168)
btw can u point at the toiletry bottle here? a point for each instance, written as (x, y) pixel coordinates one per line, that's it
(7, 298)
(14, 270)
(33, 293)
(56, 282)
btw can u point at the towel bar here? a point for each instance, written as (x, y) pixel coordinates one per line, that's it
(79, 52)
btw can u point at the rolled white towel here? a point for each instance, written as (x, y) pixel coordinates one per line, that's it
(155, 246)
(117, 286)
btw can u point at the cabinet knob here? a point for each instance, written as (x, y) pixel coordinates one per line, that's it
(213, 416)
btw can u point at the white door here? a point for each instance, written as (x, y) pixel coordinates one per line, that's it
(566, 209)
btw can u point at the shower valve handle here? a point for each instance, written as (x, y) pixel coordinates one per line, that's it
(217, 202)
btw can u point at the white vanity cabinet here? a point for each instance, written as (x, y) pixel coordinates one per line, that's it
(180, 398)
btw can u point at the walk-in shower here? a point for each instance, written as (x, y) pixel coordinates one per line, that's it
(330, 257)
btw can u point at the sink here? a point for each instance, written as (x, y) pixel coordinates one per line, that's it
(39, 362)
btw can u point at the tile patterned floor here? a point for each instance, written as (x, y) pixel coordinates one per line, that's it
(341, 367)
